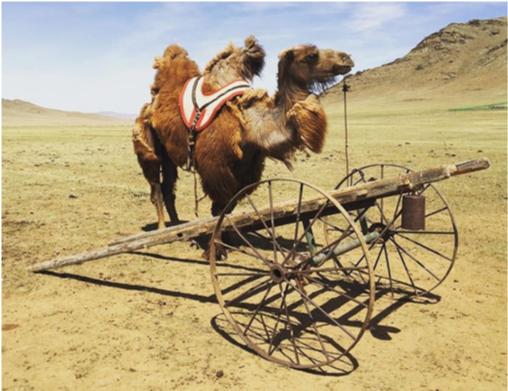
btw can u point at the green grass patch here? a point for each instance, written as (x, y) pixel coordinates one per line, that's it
(491, 106)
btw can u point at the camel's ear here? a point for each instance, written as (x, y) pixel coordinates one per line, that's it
(289, 56)
(285, 61)
(255, 55)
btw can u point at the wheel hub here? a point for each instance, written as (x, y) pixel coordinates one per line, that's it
(277, 273)
(380, 227)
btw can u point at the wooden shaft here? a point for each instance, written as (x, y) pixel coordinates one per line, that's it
(370, 190)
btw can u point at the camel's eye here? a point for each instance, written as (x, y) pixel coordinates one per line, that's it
(312, 57)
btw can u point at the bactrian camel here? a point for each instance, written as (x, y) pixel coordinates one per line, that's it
(174, 69)
(231, 152)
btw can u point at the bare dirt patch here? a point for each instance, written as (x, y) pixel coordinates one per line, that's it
(150, 321)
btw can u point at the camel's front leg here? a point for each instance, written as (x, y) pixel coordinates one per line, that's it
(220, 251)
(169, 178)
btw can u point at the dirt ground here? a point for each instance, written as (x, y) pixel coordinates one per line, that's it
(150, 321)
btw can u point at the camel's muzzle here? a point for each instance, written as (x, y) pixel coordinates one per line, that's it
(341, 69)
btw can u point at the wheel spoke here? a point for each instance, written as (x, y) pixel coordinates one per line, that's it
(321, 310)
(425, 247)
(297, 223)
(240, 274)
(261, 236)
(389, 270)
(330, 269)
(332, 246)
(323, 348)
(275, 243)
(258, 308)
(406, 269)
(345, 234)
(381, 213)
(248, 293)
(396, 212)
(379, 256)
(307, 229)
(424, 189)
(276, 323)
(337, 292)
(289, 325)
(382, 199)
(436, 212)
(323, 220)
(381, 234)
(427, 232)
(246, 241)
(414, 259)
(217, 241)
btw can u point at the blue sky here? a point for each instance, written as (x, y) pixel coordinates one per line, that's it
(97, 56)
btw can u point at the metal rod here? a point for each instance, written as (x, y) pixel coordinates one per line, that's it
(345, 89)
(343, 248)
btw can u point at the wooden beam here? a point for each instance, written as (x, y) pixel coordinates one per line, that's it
(404, 183)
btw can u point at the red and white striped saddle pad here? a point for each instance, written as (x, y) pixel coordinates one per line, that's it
(198, 108)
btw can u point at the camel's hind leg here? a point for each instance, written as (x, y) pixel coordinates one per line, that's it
(156, 198)
(151, 166)
(169, 178)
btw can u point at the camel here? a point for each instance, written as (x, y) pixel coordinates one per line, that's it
(231, 152)
(174, 69)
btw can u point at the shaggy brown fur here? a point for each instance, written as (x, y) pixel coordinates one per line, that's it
(293, 118)
(174, 69)
(231, 152)
(162, 117)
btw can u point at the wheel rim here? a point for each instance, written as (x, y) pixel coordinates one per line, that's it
(280, 304)
(407, 262)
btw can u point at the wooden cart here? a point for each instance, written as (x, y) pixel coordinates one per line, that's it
(302, 275)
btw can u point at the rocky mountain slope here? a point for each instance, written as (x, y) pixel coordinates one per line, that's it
(464, 63)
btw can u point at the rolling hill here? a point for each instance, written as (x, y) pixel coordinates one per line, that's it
(462, 64)
(20, 113)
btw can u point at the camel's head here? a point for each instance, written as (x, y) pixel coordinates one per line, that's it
(310, 68)
(236, 63)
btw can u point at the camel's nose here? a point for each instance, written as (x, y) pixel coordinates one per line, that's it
(346, 60)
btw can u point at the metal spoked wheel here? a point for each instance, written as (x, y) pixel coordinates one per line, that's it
(290, 295)
(406, 262)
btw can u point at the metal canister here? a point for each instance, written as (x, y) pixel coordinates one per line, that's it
(413, 212)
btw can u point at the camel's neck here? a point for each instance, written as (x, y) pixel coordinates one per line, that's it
(289, 93)
(279, 125)
(267, 127)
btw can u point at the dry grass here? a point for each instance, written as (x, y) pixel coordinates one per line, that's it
(144, 321)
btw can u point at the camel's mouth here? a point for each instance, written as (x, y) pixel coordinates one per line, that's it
(341, 69)
(344, 65)
(330, 77)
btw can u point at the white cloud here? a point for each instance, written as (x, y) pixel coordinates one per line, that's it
(374, 16)
(80, 71)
